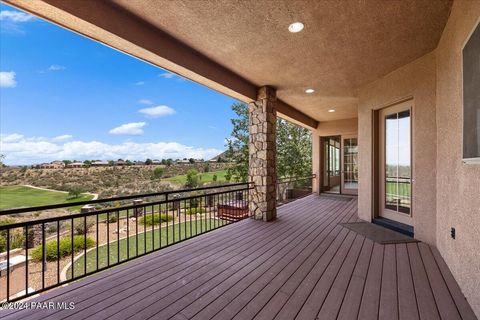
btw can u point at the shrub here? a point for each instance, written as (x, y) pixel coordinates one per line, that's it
(195, 211)
(157, 219)
(17, 236)
(192, 179)
(81, 228)
(65, 247)
(158, 173)
(112, 217)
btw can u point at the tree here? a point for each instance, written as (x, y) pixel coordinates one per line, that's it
(87, 163)
(169, 162)
(238, 143)
(75, 191)
(192, 179)
(67, 162)
(2, 158)
(128, 162)
(206, 167)
(148, 162)
(158, 172)
(214, 178)
(111, 162)
(294, 150)
(191, 160)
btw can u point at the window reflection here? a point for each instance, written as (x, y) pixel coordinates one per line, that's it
(397, 162)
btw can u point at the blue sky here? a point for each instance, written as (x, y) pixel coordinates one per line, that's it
(63, 96)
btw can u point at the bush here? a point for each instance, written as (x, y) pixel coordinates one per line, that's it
(65, 248)
(192, 179)
(17, 236)
(81, 228)
(112, 217)
(195, 211)
(158, 173)
(157, 219)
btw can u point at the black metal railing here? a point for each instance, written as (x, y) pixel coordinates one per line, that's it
(44, 253)
(289, 189)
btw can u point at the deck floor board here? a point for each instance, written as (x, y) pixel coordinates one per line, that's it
(305, 265)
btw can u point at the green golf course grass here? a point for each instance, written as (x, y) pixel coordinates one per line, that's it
(203, 177)
(20, 197)
(160, 239)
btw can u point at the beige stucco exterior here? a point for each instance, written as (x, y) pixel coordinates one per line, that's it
(458, 184)
(446, 191)
(414, 81)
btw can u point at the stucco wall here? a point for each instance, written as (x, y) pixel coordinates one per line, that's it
(329, 128)
(415, 80)
(458, 184)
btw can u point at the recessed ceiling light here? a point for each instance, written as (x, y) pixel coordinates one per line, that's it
(309, 91)
(331, 110)
(295, 27)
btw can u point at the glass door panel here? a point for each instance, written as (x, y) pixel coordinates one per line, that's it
(395, 163)
(350, 165)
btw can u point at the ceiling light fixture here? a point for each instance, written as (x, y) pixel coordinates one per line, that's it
(309, 91)
(331, 110)
(295, 27)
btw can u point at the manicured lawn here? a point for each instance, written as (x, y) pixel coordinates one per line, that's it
(159, 239)
(204, 177)
(20, 196)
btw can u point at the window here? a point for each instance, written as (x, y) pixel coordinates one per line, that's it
(471, 97)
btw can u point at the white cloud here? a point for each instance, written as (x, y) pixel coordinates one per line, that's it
(63, 137)
(145, 101)
(15, 16)
(158, 111)
(166, 75)
(23, 151)
(7, 79)
(140, 83)
(11, 137)
(56, 67)
(132, 129)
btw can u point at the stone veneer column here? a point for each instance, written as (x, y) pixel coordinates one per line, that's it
(262, 155)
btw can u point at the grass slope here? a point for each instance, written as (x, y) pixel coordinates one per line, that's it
(175, 233)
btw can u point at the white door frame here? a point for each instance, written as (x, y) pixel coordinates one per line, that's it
(382, 211)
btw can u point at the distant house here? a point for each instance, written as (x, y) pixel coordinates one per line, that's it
(120, 163)
(183, 161)
(156, 161)
(76, 165)
(51, 165)
(99, 163)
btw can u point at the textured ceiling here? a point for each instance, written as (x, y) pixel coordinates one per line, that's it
(344, 45)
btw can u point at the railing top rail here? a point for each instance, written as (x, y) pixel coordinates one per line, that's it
(292, 179)
(136, 196)
(113, 209)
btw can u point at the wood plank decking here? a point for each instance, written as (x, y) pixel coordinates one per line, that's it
(302, 266)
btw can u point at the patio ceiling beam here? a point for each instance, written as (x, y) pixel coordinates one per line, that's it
(111, 25)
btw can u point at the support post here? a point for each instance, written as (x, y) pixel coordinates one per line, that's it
(262, 154)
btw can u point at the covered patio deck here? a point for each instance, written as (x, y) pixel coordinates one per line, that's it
(304, 265)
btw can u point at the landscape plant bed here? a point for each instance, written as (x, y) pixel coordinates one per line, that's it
(176, 233)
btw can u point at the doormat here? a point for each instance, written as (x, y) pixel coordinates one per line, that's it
(377, 233)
